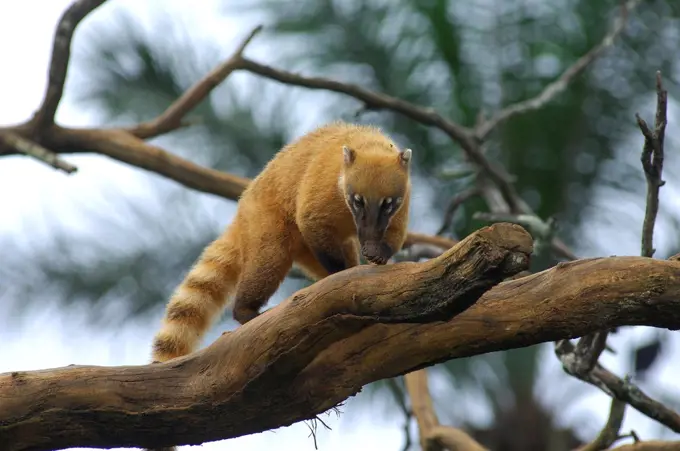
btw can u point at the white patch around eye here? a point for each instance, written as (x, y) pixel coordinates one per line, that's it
(357, 198)
(399, 200)
(387, 200)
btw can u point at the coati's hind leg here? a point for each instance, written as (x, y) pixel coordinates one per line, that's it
(267, 255)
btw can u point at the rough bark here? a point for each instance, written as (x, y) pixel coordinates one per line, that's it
(325, 342)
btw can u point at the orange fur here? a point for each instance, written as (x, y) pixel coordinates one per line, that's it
(295, 210)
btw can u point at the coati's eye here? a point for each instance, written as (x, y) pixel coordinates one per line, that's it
(358, 201)
(387, 205)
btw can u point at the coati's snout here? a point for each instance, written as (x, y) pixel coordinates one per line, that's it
(371, 226)
(377, 252)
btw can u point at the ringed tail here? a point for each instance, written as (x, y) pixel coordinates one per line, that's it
(199, 300)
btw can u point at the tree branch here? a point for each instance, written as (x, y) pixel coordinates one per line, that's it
(171, 118)
(61, 55)
(433, 436)
(582, 360)
(616, 387)
(652, 164)
(266, 372)
(326, 341)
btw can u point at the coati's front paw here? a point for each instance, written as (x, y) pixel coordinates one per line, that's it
(376, 253)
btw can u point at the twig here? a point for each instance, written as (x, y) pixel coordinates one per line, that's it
(652, 164)
(556, 87)
(171, 118)
(610, 432)
(456, 201)
(61, 54)
(35, 150)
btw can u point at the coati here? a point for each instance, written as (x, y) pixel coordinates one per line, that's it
(337, 191)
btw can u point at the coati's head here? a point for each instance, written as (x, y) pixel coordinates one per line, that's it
(375, 184)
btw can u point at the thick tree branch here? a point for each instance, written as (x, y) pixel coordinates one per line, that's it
(433, 436)
(61, 55)
(266, 372)
(325, 342)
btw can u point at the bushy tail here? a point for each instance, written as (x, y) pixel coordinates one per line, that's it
(199, 299)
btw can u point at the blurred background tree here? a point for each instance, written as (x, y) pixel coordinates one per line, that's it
(457, 57)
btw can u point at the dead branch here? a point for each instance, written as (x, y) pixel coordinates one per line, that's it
(652, 164)
(35, 150)
(616, 387)
(433, 436)
(581, 361)
(61, 55)
(326, 341)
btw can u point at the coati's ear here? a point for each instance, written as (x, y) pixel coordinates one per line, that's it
(349, 155)
(405, 157)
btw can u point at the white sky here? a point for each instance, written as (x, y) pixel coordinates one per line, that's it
(29, 190)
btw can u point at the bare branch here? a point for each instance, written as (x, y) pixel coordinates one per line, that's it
(61, 54)
(652, 164)
(610, 433)
(35, 150)
(378, 101)
(614, 386)
(171, 118)
(433, 436)
(561, 84)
